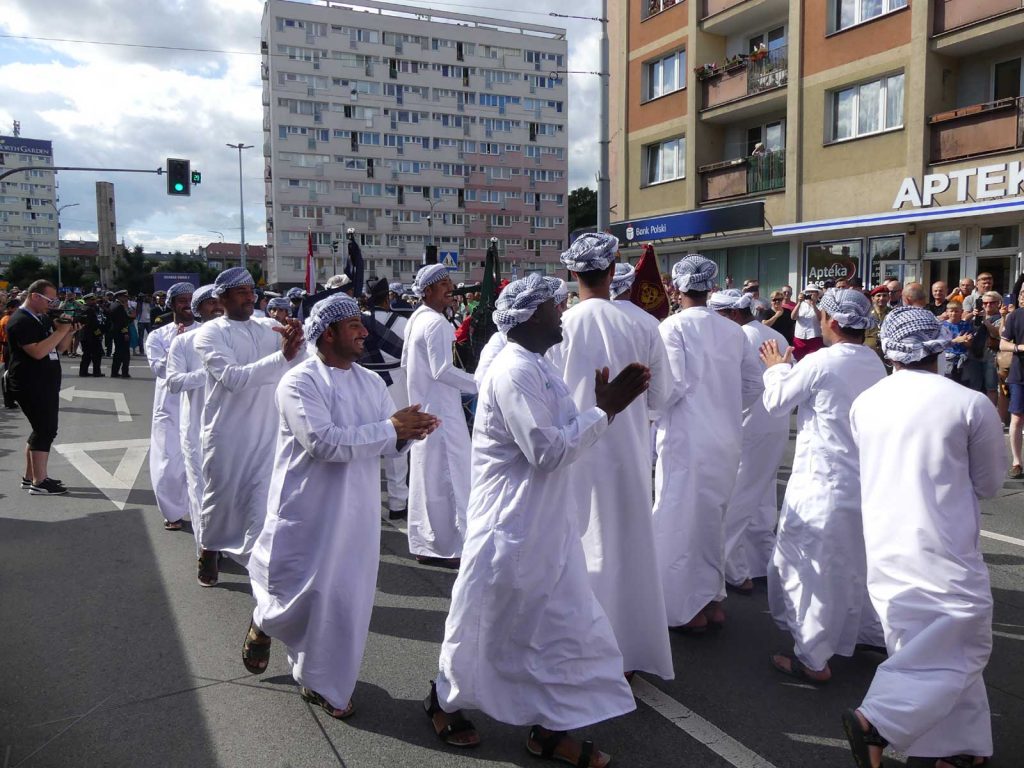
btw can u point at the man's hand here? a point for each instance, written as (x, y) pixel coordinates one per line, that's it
(291, 337)
(411, 424)
(181, 329)
(770, 354)
(614, 396)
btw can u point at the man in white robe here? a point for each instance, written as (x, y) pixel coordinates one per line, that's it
(166, 463)
(699, 443)
(314, 566)
(615, 506)
(526, 641)
(438, 480)
(244, 361)
(922, 477)
(186, 378)
(753, 509)
(816, 582)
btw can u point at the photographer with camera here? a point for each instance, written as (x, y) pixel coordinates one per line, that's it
(807, 336)
(36, 333)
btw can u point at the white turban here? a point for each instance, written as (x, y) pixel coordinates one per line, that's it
(235, 277)
(848, 307)
(338, 281)
(397, 288)
(200, 295)
(560, 288)
(428, 275)
(326, 312)
(731, 298)
(591, 252)
(279, 303)
(180, 289)
(520, 300)
(623, 280)
(910, 334)
(694, 273)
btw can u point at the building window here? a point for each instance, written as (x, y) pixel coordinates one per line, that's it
(998, 237)
(942, 242)
(665, 75)
(847, 13)
(666, 161)
(867, 108)
(651, 7)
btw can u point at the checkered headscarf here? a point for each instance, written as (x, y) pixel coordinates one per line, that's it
(848, 307)
(201, 294)
(910, 334)
(427, 276)
(180, 289)
(591, 252)
(694, 273)
(520, 300)
(279, 302)
(623, 280)
(326, 312)
(235, 277)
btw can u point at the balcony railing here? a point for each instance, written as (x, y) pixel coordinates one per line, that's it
(953, 14)
(747, 78)
(711, 7)
(979, 129)
(752, 175)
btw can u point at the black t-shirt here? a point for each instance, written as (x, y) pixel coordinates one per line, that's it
(1013, 331)
(785, 325)
(24, 371)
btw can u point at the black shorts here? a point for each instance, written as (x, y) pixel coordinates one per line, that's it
(41, 406)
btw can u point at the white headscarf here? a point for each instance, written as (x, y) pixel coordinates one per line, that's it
(623, 280)
(520, 300)
(731, 298)
(326, 312)
(235, 277)
(909, 334)
(848, 307)
(427, 276)
(200, 295)
(591, 252)
(694, 273)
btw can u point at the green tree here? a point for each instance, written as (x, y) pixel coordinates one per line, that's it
(582, 208)
(72, 274)
(133, 271)
(256, 270)
(24, 269)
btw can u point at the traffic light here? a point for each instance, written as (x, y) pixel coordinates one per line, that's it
(197, 178)
(334, 245)
(179, 179)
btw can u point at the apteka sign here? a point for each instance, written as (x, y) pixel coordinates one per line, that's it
(986, 182)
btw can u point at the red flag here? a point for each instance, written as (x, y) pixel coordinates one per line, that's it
(648, 291)
(310, 266)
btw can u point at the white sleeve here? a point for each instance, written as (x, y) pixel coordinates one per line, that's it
(439, 356)
(786, 386)
(675, 352)
(986, 448)
(156, 354)
(221, 364)
(179, 377)
(662, 385)
(752, 374)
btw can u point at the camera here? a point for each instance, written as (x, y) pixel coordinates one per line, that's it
(67, 315)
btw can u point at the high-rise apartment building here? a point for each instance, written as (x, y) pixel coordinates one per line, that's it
(28, 216)
(816, 139)
(411, 126)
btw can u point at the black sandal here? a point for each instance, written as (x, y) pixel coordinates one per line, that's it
(172, 525)
(256, 650)
(313, 697)
(860, 739)
(796, 669)
(457, 722)
(549, 743)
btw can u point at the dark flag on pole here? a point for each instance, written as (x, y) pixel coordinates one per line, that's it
(648, 291)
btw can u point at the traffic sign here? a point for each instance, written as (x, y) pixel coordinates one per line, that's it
(450, 259)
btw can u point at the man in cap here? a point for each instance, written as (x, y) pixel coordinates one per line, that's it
(753, 507)
(244, 361)
(438, 481)
(816, 579)
(166, 462)
(186, 378)
(925, 571)
(314, 566)
(107, 305)
(92, 337)
(386, 329)
(120, 318)
(699, 444)
(526, 641)
(614, 507)
(396, 293)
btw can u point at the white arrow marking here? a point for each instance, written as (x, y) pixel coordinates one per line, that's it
(117, 486)
(118, 399)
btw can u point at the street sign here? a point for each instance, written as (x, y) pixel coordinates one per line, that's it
(450, 259)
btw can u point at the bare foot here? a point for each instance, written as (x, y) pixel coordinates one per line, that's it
(714, 613)
(785, 663)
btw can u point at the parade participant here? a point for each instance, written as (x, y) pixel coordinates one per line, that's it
(696, 471)
(526, 641)
(277, 310)
(166, 462)
(186, 378)
(816, 579)
(386, 329)
(438, 481)
(244, 361)
(925, 571)
(753, 510)
(397, 300)
(314, 566)
(92, 337)
(622, 284)
(615, 511)
(119, 319)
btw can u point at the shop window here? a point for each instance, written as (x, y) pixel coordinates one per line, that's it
(942, 242)
(831, 261)
(866, 109)
(998, 237)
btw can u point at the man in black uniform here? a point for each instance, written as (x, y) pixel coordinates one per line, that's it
(119, 322)
(93, 324)
(106, 305)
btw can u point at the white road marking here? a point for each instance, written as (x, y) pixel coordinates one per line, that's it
(1002, 537)
(688, 721)
(117, 398)
(821, 741)
(117, 486)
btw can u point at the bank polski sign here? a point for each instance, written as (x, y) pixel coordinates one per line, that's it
(987, 182)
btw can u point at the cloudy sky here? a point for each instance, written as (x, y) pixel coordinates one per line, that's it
(127, 106)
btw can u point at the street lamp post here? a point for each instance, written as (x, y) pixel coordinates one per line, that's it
(58, 210)
(241, 206)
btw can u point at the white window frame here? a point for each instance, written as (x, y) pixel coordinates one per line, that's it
(832, 101)
(654, 75)
(835, 14)
(680, 161)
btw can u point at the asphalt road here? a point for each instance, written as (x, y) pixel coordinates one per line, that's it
(114, 656)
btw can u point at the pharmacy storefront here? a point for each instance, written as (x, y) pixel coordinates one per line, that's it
(944, 226)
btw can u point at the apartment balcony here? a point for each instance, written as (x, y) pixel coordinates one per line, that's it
(977, 130)
(964, 27)
(747, 88)
(755, 175)
(732, 17)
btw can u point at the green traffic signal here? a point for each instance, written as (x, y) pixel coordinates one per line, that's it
(179, 187)
(178, 176)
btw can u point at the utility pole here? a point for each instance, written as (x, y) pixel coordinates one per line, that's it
(603, 182)
(241, 205)
(58, 210)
